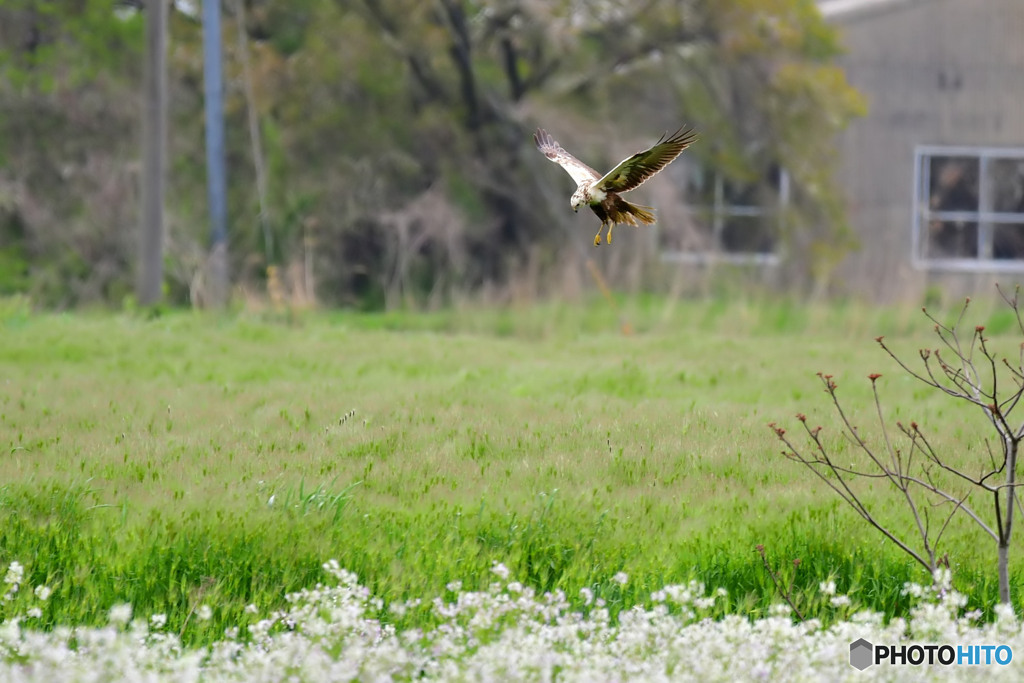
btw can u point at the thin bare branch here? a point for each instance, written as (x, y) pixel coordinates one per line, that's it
(786, 595)
(851, 498)
(921, 443)
(1012, 302)
(953, 499)
(949, 518)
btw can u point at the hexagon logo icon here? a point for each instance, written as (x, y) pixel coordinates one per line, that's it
(861, 654)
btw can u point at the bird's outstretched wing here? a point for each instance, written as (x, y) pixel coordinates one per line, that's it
(632, 172)
(579, 171)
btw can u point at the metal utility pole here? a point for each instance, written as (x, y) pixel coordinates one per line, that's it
(154, 151)
(215, 160)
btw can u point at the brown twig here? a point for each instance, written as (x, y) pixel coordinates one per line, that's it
(786, 594)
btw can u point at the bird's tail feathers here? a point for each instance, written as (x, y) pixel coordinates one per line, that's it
(634, 214)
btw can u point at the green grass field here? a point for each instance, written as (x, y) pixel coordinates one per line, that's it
(186, 459)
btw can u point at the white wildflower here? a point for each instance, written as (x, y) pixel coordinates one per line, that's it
(251, 609)
(1005, 614)
(500, 570)
(331, 632)
(43, 592)
(621, 578)
(827, 587)
(15, 573)
(943, 578)
(120, 614)
(704, 603)
(914, 590)
(954, 601)
(454, 586)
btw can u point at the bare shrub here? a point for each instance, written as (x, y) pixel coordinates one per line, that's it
(935, 486)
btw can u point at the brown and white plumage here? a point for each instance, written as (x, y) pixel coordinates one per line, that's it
(601, 193)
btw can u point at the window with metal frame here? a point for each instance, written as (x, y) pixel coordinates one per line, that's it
(968, 208)
(726, 220)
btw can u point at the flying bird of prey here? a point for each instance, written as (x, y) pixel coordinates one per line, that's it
(601, 193)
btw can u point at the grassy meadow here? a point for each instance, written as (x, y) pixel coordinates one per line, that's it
(182, 459)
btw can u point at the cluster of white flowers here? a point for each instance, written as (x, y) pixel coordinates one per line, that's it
(12, 580)
(506, 632)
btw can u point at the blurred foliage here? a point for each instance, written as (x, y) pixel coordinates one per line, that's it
(396, 135)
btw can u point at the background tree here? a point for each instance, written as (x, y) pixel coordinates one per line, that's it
(398, 160)
(70, 78)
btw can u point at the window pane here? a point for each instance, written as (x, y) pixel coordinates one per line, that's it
(740, 194)
(749, 234)
(1006, 178)
(953, 183)
(952, 239)
(765, 193)
(1008, 241)
(700, 186)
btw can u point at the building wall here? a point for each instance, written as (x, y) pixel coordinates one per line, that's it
(936, 72)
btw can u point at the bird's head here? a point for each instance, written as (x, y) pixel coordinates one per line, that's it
(576, 201)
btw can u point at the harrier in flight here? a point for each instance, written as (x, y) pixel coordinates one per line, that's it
(601, 193)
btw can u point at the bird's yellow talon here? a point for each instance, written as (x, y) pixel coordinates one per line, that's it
(609, 236)
(597, 239)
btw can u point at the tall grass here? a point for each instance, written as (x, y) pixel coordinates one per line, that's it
(188, 460)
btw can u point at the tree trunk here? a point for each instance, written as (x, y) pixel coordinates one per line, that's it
(1007, 527)
(1004, 572)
